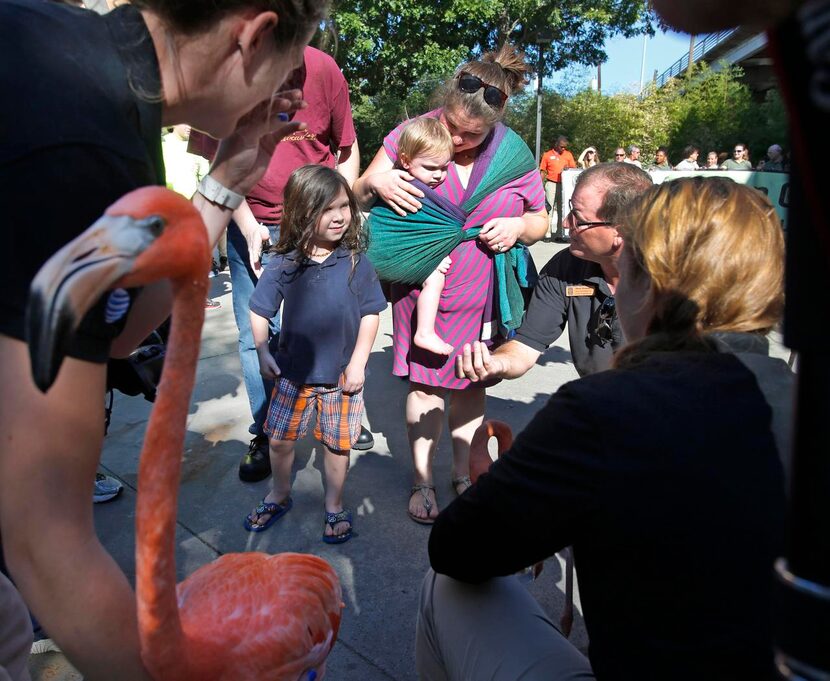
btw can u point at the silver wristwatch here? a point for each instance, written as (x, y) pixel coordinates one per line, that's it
(217, 193)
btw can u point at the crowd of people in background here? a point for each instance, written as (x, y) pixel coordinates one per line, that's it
(775, 160)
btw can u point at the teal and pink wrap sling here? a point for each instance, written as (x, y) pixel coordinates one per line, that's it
(504, 183)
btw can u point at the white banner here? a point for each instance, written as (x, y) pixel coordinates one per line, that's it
(775, 185)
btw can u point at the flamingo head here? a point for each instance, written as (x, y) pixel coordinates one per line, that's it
(480, 459)
(147, 235)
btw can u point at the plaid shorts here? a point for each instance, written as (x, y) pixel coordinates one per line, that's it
(338, 414)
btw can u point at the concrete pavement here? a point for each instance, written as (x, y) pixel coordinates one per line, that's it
(382, 567)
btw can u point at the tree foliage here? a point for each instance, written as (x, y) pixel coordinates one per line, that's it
(387, 46)
(711, 109)
(395, 54)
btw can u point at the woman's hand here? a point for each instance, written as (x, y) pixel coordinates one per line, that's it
(243, 157)
(500, 234)
(353, 378)
(393, 187)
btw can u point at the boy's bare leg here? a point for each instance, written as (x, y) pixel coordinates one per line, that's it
(427, 306)
(335, 466)
(282, 459)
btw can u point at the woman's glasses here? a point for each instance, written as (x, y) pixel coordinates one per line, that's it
(605, 319)
(469, 83)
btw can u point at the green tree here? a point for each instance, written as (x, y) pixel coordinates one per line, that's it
(387, 46)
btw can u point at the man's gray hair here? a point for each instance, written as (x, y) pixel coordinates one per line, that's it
(631, 148)
(624, 182)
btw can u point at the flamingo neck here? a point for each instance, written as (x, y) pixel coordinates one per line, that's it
(160, 629)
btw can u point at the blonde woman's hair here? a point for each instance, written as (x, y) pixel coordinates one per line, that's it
(583, 162)
(505, 69)
(424, 137)
(713, 252)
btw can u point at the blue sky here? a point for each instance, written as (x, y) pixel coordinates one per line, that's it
(621, 72)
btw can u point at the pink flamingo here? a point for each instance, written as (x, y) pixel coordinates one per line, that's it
(243, 616)
(480, 462)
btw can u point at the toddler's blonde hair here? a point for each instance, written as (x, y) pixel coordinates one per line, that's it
(424, 137)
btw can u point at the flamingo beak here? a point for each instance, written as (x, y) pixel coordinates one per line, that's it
(73, 280)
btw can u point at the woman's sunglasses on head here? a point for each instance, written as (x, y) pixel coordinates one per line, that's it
(469, 83)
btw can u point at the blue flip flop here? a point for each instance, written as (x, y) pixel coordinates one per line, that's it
(331, 520)
(277, 511)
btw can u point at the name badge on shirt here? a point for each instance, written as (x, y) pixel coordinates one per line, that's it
(580, 290)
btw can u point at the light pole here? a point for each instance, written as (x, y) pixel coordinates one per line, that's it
(543, 37)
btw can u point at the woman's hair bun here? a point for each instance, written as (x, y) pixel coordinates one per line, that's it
(512, 61)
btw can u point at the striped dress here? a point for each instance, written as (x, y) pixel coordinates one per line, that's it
(466, 306)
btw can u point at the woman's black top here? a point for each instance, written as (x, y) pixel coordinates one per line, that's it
(81, 126)
(667, 482)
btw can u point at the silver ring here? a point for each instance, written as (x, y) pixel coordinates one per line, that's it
(499, 246)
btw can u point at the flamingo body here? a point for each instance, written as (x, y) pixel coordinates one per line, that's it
(239, 616)
(244, 616)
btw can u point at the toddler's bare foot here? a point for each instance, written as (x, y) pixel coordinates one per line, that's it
(433, 343)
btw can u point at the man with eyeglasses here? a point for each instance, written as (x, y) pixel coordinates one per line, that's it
(554, 161)
(619, 155)
(737, 162)
(575, 288)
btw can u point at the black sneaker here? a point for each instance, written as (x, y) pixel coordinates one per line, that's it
(223, 263)
(256, 464)
(364, 441)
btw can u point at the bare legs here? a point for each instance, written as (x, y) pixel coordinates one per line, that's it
(427, 306)
(424, 418)
(424, 421)
(466, 415)
(335, 467)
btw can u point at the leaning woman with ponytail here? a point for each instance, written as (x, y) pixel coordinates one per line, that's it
(665, 473)
(495, 195)
(85, 99)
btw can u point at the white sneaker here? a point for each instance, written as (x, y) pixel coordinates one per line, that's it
(44, 645)
(106, 488)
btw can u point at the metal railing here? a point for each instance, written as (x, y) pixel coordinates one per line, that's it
(700, 50)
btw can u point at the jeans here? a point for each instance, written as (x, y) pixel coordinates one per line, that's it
(243, 281)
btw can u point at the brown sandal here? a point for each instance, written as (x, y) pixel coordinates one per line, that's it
(423, 488)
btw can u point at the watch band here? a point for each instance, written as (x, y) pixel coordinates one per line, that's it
(217, 193)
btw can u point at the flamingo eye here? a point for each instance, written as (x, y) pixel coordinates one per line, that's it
(155, 225)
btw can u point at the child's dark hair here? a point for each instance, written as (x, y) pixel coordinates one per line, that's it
(309, 191)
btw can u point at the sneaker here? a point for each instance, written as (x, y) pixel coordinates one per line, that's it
(214, 268)
(44, 645)
(223, 263)
(106, 488)
(212, 304)
(256, 464)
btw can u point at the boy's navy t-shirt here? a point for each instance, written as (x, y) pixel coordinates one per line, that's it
(322, 304)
